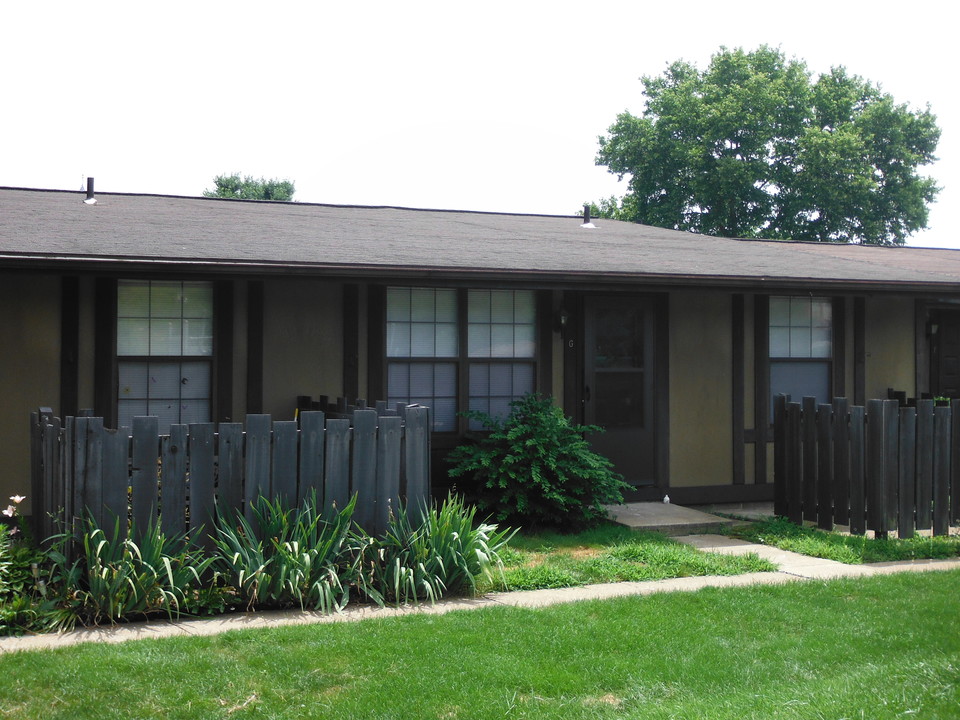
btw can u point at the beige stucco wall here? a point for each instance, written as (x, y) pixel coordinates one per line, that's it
(890, 346)
(29, 370)
(303, 334)
(700, 389)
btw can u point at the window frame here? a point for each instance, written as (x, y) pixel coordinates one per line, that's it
(827, 361)
(462, 360)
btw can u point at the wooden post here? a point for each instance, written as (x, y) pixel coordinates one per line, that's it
(841, 461)
(337, 473)
(364, 462)
(202, 500)
(388, 470)
(284, 465)
(794, 464)
(906, 505)
(941, 471)
(825, 467)
(924, 460)
(230, 467)
(173, 480)
(257, 480)
(810, 464)
(416, 444)
(955, 463)
(858, 516)
(312, 447)
(875, 475)
(144, 473)
(780, 504)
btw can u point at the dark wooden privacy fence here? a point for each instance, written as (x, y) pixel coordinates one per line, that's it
(182, 477)
(883, 467)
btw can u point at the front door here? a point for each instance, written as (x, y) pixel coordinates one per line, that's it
(618, 388)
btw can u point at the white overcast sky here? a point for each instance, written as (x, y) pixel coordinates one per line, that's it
(481, 106)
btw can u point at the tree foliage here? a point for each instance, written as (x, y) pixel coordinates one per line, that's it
(753, 146)
(249, 188)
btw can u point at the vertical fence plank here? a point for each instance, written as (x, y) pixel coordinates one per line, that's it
(780, 503)
(858, 505)
(69, 475)
(841, 461)
(257, 481)
(116, 455)
(173, 480)
(364, 462)
(941, 471)
(143, 472)
(201, 476)
(284, 463)
(924, 492)
(906, 500)
(92, 470)
(416, 445)
(825, 466)
(52, 505)
(891, 463)
(955, 463)
(230, 467)
(336, 490)
(311, 456)
(794, 460)
(79, 467)
(875, 475)
(810, 465)
(388, 470)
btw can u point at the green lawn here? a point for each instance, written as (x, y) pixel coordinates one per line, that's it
(881, 647)
(851, 549)
(611, 553)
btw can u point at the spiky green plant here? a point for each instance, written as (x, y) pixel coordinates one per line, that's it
(114, 578)
(437, 551)
(288, 556)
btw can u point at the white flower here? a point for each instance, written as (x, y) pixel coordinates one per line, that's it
(17, 499)
(9, 512)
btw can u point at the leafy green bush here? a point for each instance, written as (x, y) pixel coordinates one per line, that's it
(288, 556)
(115, 578)
(536, 468)
(444, 553)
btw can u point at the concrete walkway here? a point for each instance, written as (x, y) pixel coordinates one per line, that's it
(792, 568)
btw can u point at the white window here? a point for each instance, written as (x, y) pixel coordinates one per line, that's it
(801, 347)
(430, 345)
(164, 349)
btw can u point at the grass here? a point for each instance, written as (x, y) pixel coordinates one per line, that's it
(611, 553)
(850, 549)
(880, 647)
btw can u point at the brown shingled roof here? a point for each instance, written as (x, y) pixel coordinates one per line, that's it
(55, 228)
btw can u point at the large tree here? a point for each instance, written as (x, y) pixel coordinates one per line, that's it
(249, 188)
(753, 146)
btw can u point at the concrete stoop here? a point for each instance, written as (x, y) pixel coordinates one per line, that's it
(668, 518)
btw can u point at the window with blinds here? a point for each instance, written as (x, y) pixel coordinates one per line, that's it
(164, 351)
(801, 347)
(434, 336)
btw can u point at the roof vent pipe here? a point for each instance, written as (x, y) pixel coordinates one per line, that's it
(586, 218)
(91, 200)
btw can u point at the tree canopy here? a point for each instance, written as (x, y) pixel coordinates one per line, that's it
(753, 146)
(249, 188)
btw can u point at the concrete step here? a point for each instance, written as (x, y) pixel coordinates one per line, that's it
(668, 518)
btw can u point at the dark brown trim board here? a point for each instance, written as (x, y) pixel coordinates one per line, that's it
(737, 332)
(859, 351)
(223, 302)
(544, 352)
(255, 307)
(376, 342)
(69, 344)
(661, 313)
(838, 381)
(351, 341)
(571, 334)
(761, 375)
(105, 350)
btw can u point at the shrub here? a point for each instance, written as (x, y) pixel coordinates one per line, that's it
(288, 556)
(444, 553)
(536, 468)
